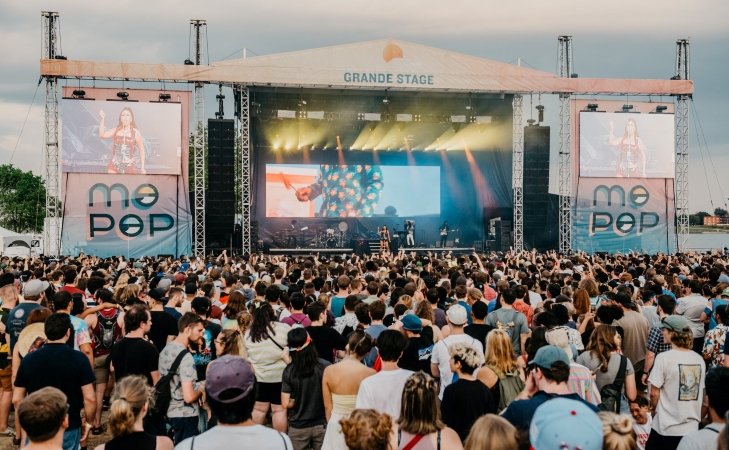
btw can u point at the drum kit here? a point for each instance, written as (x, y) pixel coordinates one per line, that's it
(330, 237)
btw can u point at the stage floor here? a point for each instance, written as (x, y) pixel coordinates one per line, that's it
(333, 251)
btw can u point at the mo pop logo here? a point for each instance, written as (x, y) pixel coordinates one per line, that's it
(625, 222)
(129, 225)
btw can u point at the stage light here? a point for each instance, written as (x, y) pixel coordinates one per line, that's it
(540, 118)
(285, 114)
(372, 117)
(188, 62)
(123, 95)
(404, 117)
(288, 147)
(483, 119)
(530, 123)
(458, 119)
(627, 108)
(592, 107)
(401, 126)
(385, 101)
(79, 93)
(164, 97)
(61, 57)
(456, 127)
(318, 115)
(661, 108)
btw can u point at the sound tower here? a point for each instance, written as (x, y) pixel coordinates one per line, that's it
(220, 193)
(536, 186)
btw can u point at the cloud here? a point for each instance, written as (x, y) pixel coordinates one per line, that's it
(30, 147)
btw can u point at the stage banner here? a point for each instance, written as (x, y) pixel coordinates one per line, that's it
(619, 214)
(130, 215)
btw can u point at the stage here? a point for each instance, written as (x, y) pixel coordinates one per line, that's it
(334, 251)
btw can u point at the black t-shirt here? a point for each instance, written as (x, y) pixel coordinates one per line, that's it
(478, 331)
(326, 341)
(308, 408)
(463, 403)
(163, 325)
(58, 366)
(134, 356)
(417, 355)
(4, 361)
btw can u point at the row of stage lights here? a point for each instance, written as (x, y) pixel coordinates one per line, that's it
(592, 107)
(122, 95)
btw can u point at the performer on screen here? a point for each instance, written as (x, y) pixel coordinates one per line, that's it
(631, 146)
(384, 238)
(410, 233)
(126, 139)
(444, 234)
(346, 191)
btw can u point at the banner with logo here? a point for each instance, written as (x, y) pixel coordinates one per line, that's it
(130, 215)
(623, 214)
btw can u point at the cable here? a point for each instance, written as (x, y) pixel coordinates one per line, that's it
(713, 166)
(242, 48)
(24, 122)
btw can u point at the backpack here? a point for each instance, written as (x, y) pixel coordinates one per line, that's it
(507, 326)
(510, 385)
(163, 391)
(106, 332)
(613, 392)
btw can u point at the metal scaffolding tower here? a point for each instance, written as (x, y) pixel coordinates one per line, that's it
(517, 173)
(52, 223)
(245, 168)
(199, 147)
(682, 147)
(565, 149)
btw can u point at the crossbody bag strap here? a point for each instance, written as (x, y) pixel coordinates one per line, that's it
(277, 344)
(620, 378)
(413, 442)
(178, 360)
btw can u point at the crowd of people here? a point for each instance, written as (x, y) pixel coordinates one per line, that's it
(392, 351)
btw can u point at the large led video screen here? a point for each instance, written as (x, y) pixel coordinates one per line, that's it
(626, 145)
(121, 137)
(312, 190)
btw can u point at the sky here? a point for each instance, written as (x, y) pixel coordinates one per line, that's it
(621, 39)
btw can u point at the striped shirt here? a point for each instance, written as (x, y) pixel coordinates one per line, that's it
(582, 384)
(265, 355)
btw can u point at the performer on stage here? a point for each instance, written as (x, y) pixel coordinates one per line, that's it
(444, 234)
(631, 146)
(126, 139)
(410, 233)
(384, 238)
(346, 191)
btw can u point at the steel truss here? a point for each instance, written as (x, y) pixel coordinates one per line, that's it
(199, 172)
(54, 213)
(245, 168)
(517, 173)
(565, 149)
(681, 118)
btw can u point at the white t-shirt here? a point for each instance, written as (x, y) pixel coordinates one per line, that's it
(642, 432)
(680, 376)
(441, 357)
(534, 299)
(255, 436)
(383, 391)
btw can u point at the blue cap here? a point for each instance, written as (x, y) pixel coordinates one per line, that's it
(548, 355)
(563, 423)
(411, 322)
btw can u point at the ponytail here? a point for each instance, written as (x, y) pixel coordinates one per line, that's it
(130, 396)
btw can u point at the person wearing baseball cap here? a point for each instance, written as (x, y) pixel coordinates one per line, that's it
(420, 348)
(677, 387)
(565, 423)
(457, 318)
(546, 381)
(231, 393)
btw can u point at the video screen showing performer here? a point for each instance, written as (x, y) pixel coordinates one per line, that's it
(626, 145)
(130, 138)
(356, 190)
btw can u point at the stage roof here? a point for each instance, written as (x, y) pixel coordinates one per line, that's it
(382, 64)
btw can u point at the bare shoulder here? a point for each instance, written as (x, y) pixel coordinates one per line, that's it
(100, 447)
(164, 443)
(450, 439)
